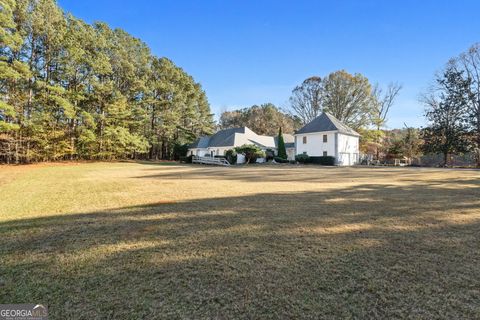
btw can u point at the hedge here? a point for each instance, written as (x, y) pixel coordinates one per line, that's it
(281, 160)
(302, 158)
(324, 160)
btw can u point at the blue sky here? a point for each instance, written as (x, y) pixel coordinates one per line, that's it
(250, 52)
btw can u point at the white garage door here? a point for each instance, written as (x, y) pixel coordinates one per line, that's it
(344, 159)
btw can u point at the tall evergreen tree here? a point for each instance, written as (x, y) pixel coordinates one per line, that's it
(177, 108)
(282, 151)
(14, 74)
(447, 132)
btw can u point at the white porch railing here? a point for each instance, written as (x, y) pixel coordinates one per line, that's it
(210, 160)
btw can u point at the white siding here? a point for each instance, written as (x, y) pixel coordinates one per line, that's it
(201, 152)
(198, 152)
(249, 137)
(315, 145)
(291, 154)
(252, 138)
(347, 150)
(266, 141)
(240, 139)
(347, 143)
(218, 151)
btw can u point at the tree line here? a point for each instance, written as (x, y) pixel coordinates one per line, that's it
(72, 90)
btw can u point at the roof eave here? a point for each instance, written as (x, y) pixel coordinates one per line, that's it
(311, 132)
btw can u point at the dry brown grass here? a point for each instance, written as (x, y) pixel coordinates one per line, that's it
(127, 241)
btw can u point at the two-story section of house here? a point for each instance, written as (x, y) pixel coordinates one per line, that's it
(328, 136)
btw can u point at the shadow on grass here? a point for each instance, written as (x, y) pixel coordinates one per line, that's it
(300, 173)
(158, 162)
(373, 251)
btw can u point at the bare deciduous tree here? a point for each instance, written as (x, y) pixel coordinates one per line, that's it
(382, 103)
(384, 100)
(348, 97)
(306, 101)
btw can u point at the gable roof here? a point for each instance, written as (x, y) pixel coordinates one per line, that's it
(233, 137)
(327, 122)
(224, 138)
(201, 142)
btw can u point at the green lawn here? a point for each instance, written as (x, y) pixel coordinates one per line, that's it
(146, 241)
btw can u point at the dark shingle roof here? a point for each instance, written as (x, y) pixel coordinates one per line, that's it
(201, 142)
(223, 138)
(327, 122)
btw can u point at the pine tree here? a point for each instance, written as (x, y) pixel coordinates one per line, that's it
(13, 76)
(71, 90)
(178, 109)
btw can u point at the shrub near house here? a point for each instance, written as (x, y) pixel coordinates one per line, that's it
(251, 152)
(231, 156)
(302, 158)
(281, 160)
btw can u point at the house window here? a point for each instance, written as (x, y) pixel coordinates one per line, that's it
(325, 139)
(325, 153)
(304, 140)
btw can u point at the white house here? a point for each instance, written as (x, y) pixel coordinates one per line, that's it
(327, 136)
(226, 139)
